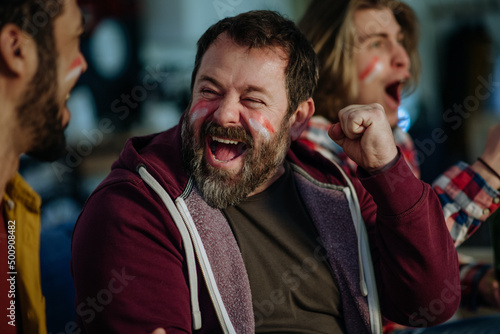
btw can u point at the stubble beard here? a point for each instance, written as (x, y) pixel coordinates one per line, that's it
(221, 188)
(39, 112)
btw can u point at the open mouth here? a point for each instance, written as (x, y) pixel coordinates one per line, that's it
(393, 90)
(226, 150)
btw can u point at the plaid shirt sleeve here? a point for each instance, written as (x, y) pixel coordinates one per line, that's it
(316, 137)
(467, 200)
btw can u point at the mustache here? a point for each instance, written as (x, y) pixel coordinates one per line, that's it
(233, 132)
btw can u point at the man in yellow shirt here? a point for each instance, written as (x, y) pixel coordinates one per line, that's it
(40, 62)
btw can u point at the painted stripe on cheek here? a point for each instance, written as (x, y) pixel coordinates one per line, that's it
(74, 74)
(75, 70)
(268, 125)
(372, 71)
(263, 121)
(196, 114)
(376, 72)
(78, 62)
(257, 126)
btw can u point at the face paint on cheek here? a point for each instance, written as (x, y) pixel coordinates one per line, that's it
(197, 114)
(75, 70)
(200, 111)
(373, 70)
(262, 126)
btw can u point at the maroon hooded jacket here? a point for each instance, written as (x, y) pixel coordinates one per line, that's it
(136, 269)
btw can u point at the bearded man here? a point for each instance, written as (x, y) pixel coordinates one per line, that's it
(39, 65)
(226, 224)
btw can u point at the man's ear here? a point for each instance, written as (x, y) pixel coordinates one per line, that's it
(300, 118)
(16, 50)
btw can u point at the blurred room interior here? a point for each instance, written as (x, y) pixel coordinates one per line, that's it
(141, 54)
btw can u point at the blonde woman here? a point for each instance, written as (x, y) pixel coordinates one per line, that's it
(368, 54)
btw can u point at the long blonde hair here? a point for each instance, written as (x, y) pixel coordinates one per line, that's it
(329, 26)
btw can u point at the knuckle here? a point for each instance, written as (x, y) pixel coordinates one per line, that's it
(342, 113)
(378, 107)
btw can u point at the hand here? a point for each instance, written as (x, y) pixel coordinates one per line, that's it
(159, 331)
(489, 290)
(366, 136)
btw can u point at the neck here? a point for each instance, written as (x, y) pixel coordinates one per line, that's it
(10, 165)
(13, 139)
(10, 152)
(280, 171)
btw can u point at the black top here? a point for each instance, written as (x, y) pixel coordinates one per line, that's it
(293, 289)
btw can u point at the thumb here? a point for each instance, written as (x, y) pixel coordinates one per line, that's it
(336, 134)
(159, 331)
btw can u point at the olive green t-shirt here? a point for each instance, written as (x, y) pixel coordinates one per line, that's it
(292, 284)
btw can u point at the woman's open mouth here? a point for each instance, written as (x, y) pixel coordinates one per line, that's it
(394, 91)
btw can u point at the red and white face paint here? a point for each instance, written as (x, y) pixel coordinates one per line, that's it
(199, 114)
(262, 125)
(75, 70)
(256, 121)
(200, 111)
(373, 70)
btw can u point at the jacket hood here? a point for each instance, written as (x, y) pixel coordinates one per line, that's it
(167, 168)
(316, 165)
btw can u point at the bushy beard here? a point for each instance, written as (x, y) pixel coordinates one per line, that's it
(221, 188)
(40, 113)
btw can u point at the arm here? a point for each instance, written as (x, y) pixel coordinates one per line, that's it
(415, 261)
(469, 194)
(127, 264)
(414, 258)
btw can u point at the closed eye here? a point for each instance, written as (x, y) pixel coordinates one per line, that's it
(209, 92)
(253, 100)
(253, 103)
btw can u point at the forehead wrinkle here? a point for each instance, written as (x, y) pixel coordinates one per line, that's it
(210, 79)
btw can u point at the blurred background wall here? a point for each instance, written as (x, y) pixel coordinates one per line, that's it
(141, 53)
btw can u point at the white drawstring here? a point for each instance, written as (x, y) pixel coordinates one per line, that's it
(367, 285)
(186, 240)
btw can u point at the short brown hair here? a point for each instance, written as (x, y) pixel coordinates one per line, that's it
(36, 18)
(329, 26)
(260, 29)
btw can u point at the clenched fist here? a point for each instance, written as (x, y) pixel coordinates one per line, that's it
(366, 136)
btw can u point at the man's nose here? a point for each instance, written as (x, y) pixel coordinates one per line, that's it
(229, 112)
